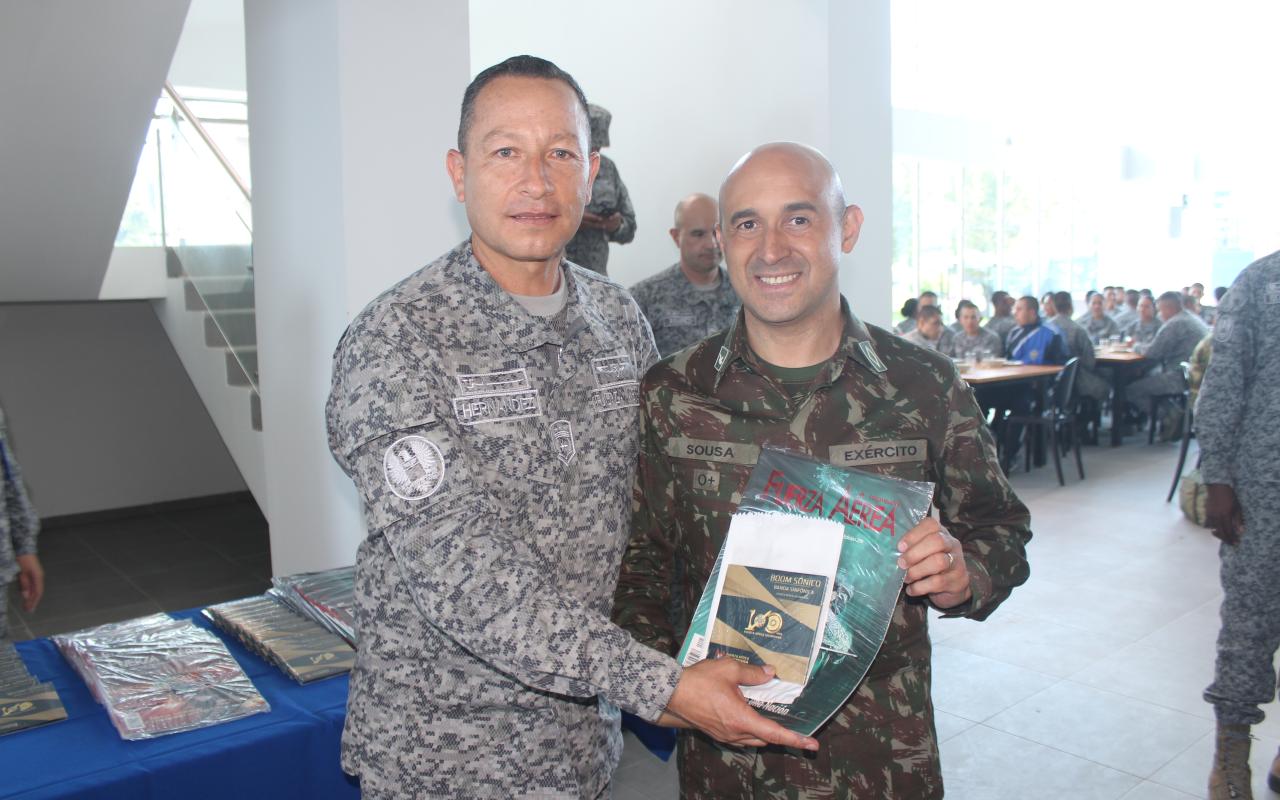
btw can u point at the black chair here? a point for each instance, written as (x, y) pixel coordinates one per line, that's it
(1188, 430)
(1058, 419)
(1182, 397)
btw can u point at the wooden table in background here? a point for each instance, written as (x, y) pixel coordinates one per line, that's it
(1125, 364)
(998, 373)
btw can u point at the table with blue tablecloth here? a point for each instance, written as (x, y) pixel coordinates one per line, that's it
(291, 752)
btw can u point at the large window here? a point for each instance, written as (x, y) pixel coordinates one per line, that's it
(964, 231)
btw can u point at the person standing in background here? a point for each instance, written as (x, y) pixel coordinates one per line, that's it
(691, 299)
(609, 216)
(19, 529)
(1236, 425)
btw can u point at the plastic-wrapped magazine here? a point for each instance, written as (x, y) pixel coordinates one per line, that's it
(327, 597)
(873, 511)
(298, 646)
(769, 602)
(24, 701)
(158, 675)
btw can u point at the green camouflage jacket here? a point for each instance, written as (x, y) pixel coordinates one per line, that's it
(881, 404)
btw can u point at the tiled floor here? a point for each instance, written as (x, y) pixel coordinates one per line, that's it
(1086, 683)
(162, 560)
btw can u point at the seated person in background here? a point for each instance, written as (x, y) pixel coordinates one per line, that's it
(908, 313)
(1109, 301)
(1090, 386)
(1048, 311)
(1205, 312)
(1001, 321)
(1192, 305)
(956, 326)
(1144, 328)
(1088, 298)
(1199, 365)
(929, 330)
(1032, 342)
(692, 299)
(1129, 313)
(1097, 324)
(972, 341)
(1179, 334)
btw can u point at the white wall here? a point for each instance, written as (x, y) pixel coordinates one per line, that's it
(78, 85)
(691, 85)
(210, 53)
(101, 412)
(353, 105)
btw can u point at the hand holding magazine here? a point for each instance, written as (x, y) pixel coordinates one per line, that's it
(872, 512)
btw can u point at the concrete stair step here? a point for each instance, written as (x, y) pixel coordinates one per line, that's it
(219, 294)
(248, 356)
(234, 328)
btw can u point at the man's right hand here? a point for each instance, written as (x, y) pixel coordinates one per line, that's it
(707, 697)
(1223, 514)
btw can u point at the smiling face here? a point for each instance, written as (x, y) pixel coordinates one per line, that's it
(783, 225)
(526, 174)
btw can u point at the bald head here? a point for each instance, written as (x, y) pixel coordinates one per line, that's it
(695, 234)
(783, 227)
(793, 158)
(694, 204)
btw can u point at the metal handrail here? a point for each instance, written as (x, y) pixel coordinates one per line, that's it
(208, 140)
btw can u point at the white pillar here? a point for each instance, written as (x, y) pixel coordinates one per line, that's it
(352, 105)
(862, 147)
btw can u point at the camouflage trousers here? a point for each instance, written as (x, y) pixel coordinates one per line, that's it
(1245, 674)
(881, 745)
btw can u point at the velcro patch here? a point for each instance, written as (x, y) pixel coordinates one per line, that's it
(711, 450)
(614, 370)
(497, 407)
(868, 453)
(511, 380)
(611, 398)
(706, 480)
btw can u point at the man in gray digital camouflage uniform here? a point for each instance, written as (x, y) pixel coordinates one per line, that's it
(692, 299)
(609, 216)
(1079, 345)
(486, 408)
(1002, 321)
(1180, 332)
(929, 332)
(19, 529)
(1146, 324)
(1239, 438)
(972, 341)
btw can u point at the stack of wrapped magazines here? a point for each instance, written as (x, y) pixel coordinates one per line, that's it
(327, 597)
(158, 675)
(299, 647)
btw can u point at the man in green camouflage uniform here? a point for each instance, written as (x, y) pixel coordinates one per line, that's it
(798, 371)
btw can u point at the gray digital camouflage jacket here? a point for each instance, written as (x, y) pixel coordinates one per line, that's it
(494, 453)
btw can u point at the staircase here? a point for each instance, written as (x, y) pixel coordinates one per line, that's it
(205, 220)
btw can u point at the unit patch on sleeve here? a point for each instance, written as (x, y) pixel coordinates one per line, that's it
(414, 468)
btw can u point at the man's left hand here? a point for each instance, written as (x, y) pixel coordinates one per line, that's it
(612, 222)
(934, 561)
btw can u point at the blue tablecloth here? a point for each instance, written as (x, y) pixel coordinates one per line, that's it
(291, 752)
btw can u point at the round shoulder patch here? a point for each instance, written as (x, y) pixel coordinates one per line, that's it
(414, 468)
(1223, 329)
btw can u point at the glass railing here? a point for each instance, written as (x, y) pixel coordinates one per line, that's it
(191, 194)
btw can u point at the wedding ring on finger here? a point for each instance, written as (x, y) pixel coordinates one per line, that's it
(951, 560)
